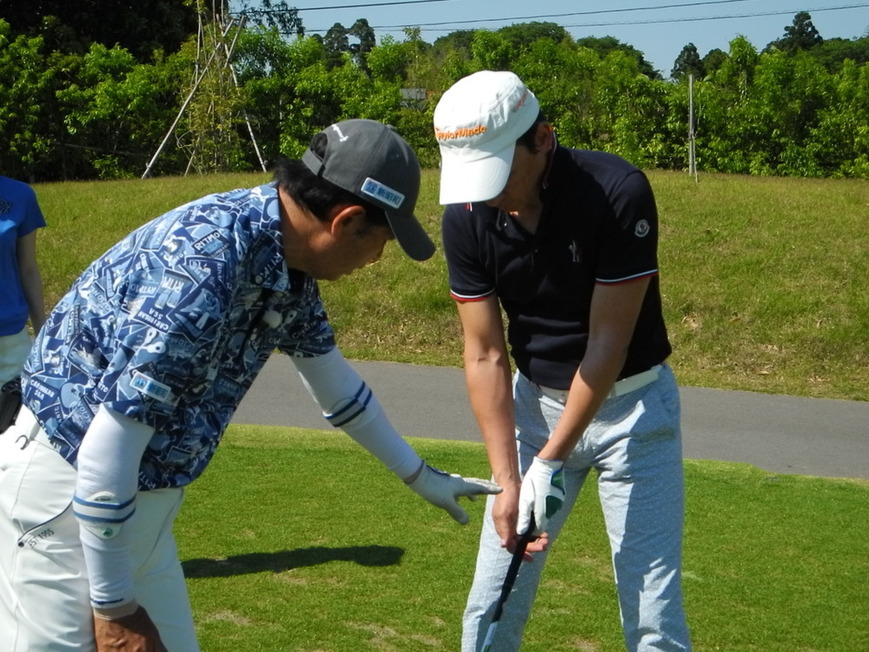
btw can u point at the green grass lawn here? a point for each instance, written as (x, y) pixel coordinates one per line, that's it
(763, 279)
(297, 540)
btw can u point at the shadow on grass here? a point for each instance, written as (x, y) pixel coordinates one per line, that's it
(284, 560)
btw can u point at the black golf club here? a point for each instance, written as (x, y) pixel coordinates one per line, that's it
(509, 580)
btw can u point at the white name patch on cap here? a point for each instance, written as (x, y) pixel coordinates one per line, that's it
(383, 193)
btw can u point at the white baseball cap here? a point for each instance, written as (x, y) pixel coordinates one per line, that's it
(477, 123)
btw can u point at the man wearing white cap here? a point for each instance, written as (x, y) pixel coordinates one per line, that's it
(565, 242)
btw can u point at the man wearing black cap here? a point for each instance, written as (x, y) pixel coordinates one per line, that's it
(139, 369)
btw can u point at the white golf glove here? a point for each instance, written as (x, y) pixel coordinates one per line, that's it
(443, 489)
(542, 494)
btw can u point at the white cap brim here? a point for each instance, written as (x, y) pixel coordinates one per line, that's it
(481, 179)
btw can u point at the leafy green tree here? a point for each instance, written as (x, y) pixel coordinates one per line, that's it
(407, 63)
(407, 78)
(563, 76)
(672, 150)
(269, 67)
(727, 126)
(783, 114)
(524, 35)
(801, 35)
(422, 72)
(68, 112)
(688, 63)
(140, 27)
(633, 108)
(452, 56)
(262, 51)
(365, 42)
(454, 66)
(337, 44)
(789, 94)
(116, 110)
(737, 71)
(713, 61)
(492, 51)
(833, 53)
(606, 44)
(26, 105)
(291, 92)
(458, 41)
(388, 62)
(840, 141)
(319, 97)
(270, 14)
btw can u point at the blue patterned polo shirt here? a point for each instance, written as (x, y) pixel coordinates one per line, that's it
(171, 326)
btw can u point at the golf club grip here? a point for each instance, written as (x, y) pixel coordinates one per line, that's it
(512, 572)
(509, 580)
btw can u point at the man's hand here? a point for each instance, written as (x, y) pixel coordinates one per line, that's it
(133, 633)
(504, 513)
(444, 489)
(542, 494)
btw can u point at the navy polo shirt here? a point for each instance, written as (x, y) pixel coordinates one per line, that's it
(599, 226)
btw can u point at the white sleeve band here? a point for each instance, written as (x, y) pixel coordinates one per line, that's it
(105, 498)
(348, 403)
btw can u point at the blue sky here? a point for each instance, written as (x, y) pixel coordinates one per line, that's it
(658, 28)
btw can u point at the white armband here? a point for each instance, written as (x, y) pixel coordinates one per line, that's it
(348, 403)
(105, 498)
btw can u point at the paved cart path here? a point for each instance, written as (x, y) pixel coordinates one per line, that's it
(781, 434)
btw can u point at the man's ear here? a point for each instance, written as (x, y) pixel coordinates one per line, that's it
(543, 137)
(345, 216)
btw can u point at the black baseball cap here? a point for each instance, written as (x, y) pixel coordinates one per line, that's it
(370, 160)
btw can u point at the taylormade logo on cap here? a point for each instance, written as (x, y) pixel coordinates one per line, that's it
(477, 123)
(460, 133)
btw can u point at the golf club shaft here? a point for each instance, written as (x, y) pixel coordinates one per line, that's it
(509, 580)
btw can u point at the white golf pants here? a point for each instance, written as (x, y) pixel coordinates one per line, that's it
(634, 444)
(44, 597)
(13, 352)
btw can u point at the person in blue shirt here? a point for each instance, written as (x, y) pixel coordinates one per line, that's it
(564, 243)
(139, 368)
(20, 279)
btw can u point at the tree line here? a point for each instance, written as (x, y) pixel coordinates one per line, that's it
(78, 104)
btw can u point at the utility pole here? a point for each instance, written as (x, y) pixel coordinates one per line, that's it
(692, 160)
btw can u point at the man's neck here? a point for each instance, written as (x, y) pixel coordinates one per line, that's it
(293, 227)
(529, 216)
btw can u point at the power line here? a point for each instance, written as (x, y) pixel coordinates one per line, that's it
(619, 23)
(368, 4)
(296, 10)
(577, 13)
(690, 20)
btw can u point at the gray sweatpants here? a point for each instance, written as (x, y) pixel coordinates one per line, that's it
(634, 443)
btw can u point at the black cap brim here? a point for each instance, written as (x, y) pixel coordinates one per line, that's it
(410, 235)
